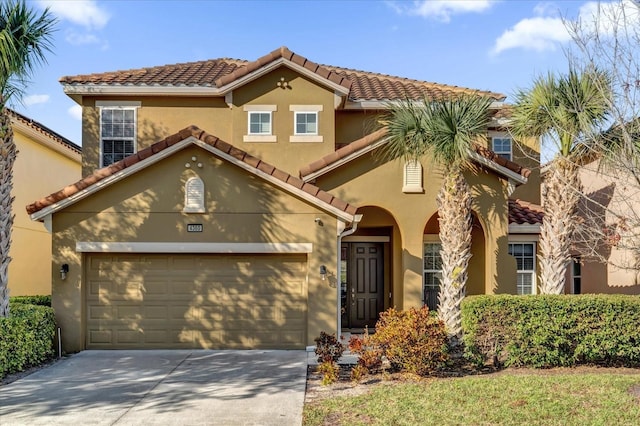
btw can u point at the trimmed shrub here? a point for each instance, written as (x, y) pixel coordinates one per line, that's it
(550, 331)
(413, 341)
(31, 300)
(26, 337)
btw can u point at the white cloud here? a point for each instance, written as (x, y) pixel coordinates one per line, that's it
(548, 31)
(442, 10)
(75, 112)
(81, 12)
(534, 34)
(78, 39)
(35, 99)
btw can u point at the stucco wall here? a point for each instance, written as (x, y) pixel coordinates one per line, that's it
(147, 207)
(38, 171)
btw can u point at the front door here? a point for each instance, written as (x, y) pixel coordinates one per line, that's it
(364, 298)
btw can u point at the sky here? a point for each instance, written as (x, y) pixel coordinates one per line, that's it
(482, 44)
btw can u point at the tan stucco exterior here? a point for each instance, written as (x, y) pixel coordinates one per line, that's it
(241, 208)
(147, 207)
(43, 165)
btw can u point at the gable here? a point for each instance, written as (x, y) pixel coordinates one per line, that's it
(174, 144)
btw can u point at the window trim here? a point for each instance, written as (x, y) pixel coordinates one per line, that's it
(306, 109)
(260, 137)
(501, 153)
(428, 239)
(114, 105)
(533, 272)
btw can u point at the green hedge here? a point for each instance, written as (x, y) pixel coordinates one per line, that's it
(31, 300)
(550, 331)
(26, 337)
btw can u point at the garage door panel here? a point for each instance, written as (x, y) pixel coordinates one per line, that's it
(196, 301)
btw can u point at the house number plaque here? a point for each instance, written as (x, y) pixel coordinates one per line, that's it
(194, 227)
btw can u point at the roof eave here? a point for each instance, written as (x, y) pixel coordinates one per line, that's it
(509, 174)
(75, 91)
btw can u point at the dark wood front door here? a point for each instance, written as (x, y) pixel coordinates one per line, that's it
(364, 299)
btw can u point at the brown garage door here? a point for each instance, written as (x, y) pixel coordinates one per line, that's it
(196, 301)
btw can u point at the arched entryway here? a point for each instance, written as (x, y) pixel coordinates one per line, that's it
(370, 260)
(432, 264)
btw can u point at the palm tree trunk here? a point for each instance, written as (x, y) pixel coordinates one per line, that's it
(454, 211)
(7, 159)
(560, 195)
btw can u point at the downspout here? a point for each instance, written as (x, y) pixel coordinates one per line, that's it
(341, 234)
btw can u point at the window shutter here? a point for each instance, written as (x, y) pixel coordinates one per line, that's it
(194, 196)
(412, 177)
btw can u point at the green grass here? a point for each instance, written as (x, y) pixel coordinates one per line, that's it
(508, 398)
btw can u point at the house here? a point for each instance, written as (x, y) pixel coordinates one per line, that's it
(608, 215)
(45, 162)
(249, 204)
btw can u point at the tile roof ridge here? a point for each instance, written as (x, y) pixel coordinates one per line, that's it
(46, 130)
(501, 161)
(211, 140)
(343, 152)
(524, 212)
(285, 53)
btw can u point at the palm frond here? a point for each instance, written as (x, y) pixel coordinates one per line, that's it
(444, 129)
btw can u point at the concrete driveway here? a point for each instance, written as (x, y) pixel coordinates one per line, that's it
(161, 387)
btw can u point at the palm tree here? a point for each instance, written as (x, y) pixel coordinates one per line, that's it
(25, 37)
(567, 111)
(445, 131)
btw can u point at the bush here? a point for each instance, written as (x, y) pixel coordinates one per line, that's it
(328, 348)
(330, 372)
(413, 341)
(31, 300)
(550, 331)
(26, 337)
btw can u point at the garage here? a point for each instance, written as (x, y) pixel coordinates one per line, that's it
(145, 301)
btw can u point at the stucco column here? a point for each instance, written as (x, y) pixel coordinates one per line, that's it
(412, 267)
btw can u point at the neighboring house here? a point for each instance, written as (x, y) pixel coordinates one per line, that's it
(609, 214)
(45, 162)
(274, 219)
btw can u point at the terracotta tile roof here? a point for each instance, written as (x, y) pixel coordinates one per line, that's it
(45, 131)
(363, 85)
(207, 138)
(371, 138)
(522, 212)
(511, 165)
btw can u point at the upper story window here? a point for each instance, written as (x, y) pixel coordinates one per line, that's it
(117, 130)
(306, 123)
(501, 145)
(260, 123)
(117, 134)
(525, 254)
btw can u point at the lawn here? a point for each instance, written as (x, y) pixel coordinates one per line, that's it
(540, 397)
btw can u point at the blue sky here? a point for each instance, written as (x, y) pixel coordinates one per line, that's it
(490, 45)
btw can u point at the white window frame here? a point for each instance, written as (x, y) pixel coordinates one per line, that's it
(306, 109)
(297, 114)
(194, 201)
(437, 273)
(261, 136)
(116, 105)
(502, 152)
(532, 272)
(412, 177)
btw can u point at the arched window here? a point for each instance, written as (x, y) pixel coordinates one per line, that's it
(194, 195)
(412, 181)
